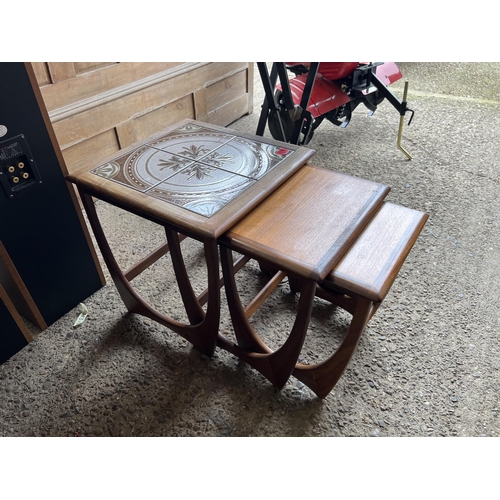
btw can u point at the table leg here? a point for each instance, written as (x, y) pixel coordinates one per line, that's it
(322, 377)
(203, 330)
(278, 365)
(193, 309)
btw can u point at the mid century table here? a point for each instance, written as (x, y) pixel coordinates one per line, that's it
(303, 229)
(333, 236)
(196, 180)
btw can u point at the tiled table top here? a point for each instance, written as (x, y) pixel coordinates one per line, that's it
(195, 167)
(197, 176)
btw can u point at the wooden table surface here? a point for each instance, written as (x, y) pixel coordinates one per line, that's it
(307, 224)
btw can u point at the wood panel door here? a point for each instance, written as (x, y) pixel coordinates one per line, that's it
(98, 109)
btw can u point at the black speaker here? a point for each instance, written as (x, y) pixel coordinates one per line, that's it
(41, 226)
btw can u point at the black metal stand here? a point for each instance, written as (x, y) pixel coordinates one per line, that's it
(289, 116)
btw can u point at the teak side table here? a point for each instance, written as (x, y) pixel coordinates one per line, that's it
(303, 229)
(196, 180)
(334, 237)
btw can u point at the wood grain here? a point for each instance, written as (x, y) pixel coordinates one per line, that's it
(17, 290)
(131, 100)
(60, 71)
(307, 224)
(138, 129)
(374, 260)
(83, 86)
(14, 314)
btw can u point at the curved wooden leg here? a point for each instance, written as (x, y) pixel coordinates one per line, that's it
(277, 365)
(193, 309)
(322, 377)
(203, 331)
(245, 334)
(208, 330)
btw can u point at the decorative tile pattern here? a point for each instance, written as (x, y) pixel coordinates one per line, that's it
(143, 168)
(201, 188)
(196, 167)
(246, 157)
(191, 141)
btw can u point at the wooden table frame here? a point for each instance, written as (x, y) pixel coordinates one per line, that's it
(303, 228)
(304, 222)
(201, 331)
(178, 222)
(276, 366)
(358, 283)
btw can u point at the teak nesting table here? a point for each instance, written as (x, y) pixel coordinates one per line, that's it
(260, 198)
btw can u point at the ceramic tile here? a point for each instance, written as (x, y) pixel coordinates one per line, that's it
(201, 188)
(143, 168)
(196, 167)
(246, 157)
(191, 141)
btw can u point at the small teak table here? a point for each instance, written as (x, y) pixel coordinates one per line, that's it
(334, 237)
(303, 229)
(196, 180)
